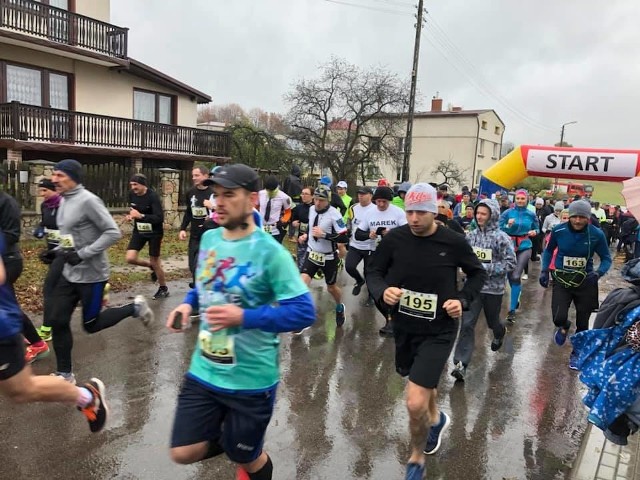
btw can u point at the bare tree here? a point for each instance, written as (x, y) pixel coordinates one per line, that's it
(348, 117)
(230, 113)
(451, 172)
(507, 147)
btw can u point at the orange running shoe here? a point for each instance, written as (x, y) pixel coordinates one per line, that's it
(36, 351)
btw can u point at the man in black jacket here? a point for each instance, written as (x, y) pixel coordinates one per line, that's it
(293, 185)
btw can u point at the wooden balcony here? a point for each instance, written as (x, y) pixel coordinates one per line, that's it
(62, 27)
(28, 123)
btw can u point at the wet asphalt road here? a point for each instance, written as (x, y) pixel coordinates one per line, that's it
(340, 411)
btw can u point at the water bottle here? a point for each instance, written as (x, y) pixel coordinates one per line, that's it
(216, 340)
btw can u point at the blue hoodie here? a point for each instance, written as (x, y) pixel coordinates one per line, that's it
(503, 257)
(10, 314)
(525, 221)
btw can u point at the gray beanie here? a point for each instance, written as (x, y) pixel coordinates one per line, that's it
(580, 208)
(559, 206)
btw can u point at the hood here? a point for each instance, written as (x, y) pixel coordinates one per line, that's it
(492, 224)
(295, 170)
(631, 271)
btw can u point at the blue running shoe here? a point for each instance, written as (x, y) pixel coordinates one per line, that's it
(573, 361)
(560, 336)
(415, 471)
(435, 434)
(340, 314)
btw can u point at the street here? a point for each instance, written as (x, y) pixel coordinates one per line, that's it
(340, 411)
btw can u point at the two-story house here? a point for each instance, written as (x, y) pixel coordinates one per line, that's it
(68, 89)
(470, 138)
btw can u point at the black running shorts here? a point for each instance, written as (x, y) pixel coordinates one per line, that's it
(423, 357)
(137, 242)
(330, 269)
(11, 356)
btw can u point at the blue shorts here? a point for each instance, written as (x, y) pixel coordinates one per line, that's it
(238, 422)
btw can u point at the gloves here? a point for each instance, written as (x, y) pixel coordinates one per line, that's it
(544, 278)
(592, 278)
(71, 257)
(47, 256)
(39, 232)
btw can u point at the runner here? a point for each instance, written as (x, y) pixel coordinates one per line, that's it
(148, 219)
(521, 224)
(195, 214)
(17, 381)
(374, 226)
(445, 217)
(424, 310)
(398, 200)
(466, 221)
(300, 222)
(495, 251)
(326, 230)
(228, 394)
(10, 222)
(48, 229)
(347, 201)
(336, 201)
(275, 208)
(359, 250)
(86, 231)
(575, 279)
(293, 184)
(552, 220)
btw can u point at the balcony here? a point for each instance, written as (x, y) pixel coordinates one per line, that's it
(28, 123)
(50, 25)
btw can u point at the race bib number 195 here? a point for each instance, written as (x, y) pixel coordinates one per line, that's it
(418, 304)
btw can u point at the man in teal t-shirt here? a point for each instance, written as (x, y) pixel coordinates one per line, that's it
(247, 291)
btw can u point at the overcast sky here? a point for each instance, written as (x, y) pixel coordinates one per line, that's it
(538, 63)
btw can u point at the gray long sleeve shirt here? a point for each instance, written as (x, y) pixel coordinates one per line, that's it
(84, 216)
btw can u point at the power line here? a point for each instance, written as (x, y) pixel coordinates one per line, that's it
(375, 9)
(399, 4)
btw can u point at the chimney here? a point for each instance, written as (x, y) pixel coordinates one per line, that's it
(456, 109)
(436, 104)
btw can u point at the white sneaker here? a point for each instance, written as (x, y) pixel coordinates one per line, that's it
(67, 377)
(525, 277)
(142, 310)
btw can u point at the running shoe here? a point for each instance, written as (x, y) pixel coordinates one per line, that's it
(67, 377)
(525, 277)
(368, 302)
(97, 411)
(560, 336)
(357, 288)
(387, 330)
(340, 314)
(496, 343)
(142, 310)
(153, 276)
(511, 317)
(163, 292)
(459, 371)
(105, 294)
(44, 333)
(435, 434)
(192, 285)
(299, 332)
(241, 474)
(36, 351)
(415, 471)
(319, 275)
(573, 361)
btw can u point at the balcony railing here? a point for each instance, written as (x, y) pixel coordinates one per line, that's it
(61, 26)
(32, 123)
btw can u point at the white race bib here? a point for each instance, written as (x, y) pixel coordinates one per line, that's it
(485, 255)
(574, 262)
(66, 241)
(317, 258)
(217, 348)
(198, 212)
(53, 236)
(267, 228)
(144, 227)
(418, 304)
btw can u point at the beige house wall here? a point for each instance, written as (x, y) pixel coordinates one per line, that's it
(98, 9)
(98, 89)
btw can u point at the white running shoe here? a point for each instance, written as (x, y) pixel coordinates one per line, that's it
(142, 310)
(525, 277)
(67, 377)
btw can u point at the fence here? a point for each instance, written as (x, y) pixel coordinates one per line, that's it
(15, 182)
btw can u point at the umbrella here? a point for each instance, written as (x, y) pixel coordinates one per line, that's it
(631, 194)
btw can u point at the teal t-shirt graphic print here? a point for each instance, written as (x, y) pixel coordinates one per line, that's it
(249, 272)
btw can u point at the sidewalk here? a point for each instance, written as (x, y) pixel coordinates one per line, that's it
(599, 459)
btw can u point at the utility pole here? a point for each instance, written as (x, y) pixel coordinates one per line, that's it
(562, 145)
(412, 95)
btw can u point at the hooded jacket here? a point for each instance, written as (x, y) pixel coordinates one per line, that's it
(503, 257)
(524, 221)
(292, 185)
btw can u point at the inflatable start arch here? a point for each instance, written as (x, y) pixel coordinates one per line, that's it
(560, 162)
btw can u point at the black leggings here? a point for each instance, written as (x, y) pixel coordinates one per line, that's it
(466, 340)
(51, 280)
(194, 248)
(13, 265)
(65, 297)
(354, 256)
(584, 297)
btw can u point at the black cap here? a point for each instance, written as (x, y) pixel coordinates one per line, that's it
(46, 183)
(271, 183)
(237, 175)
(383, 193)
(365, 190)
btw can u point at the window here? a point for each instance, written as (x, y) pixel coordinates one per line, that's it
(484, 124)
(497, 131)
(374, 144)
(35, 86)
(478, 177)
(481, 148)
(495, 151)
(400, 144)
(153, 107)
(399, 173)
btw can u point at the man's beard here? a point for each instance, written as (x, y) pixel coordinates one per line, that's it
(238, 222)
